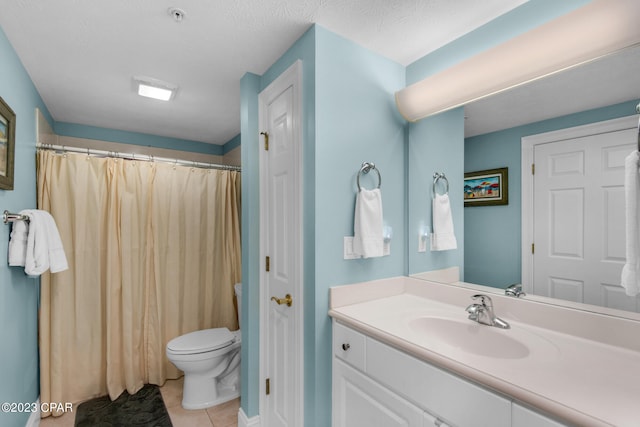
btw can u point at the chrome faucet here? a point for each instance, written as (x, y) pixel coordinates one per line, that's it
(483, 312)
(515, 290)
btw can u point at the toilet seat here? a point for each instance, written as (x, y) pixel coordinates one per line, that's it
(201, 341)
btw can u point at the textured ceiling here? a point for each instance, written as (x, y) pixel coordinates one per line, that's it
(83, 54)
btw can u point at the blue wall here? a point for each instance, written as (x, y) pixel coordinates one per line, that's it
(18, 295)
(135, 138)
(356, 121)
(348, 117)
(500, 245)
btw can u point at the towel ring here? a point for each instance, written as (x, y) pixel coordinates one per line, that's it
(437, 176)
(366, 168)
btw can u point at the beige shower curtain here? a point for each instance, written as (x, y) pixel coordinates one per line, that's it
(153, 252)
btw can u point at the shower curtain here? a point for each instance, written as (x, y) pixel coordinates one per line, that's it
(153, 251)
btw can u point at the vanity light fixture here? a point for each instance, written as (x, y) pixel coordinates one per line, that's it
(154, 88)
(590, 32)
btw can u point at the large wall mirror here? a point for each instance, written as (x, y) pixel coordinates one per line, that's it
(602, 90)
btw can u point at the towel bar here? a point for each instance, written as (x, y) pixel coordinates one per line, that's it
(8, 217)
(366, 168)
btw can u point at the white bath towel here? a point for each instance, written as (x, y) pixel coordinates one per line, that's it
(367, 224)
(44, 246)
(443, 237)
(18, 242)
(631, 187)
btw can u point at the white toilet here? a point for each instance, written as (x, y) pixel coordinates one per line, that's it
(210, 359)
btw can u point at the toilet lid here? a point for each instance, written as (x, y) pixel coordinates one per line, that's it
(201, 341)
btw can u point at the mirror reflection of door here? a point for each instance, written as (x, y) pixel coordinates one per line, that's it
(578, 217)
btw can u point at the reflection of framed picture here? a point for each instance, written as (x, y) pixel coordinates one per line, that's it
(7, 143)
(483, 188)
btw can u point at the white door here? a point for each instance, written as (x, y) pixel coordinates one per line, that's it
(281, 247)
(579, 223)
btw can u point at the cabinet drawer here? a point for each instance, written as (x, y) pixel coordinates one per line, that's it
(348, 345)
(452, 399)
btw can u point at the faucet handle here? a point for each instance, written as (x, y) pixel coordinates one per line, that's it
(484, 299)
(515, 290)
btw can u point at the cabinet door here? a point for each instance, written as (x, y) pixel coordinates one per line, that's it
(524, 417)
(358, 401)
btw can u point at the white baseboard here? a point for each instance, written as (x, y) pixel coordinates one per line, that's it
(34, 418)
(244, 421)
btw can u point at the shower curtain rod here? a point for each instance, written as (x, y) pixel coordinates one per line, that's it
(133, 156)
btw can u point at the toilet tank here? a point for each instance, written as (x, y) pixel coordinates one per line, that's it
(238, 289)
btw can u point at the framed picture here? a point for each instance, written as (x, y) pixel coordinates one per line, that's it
(488, 187)
(7, 145)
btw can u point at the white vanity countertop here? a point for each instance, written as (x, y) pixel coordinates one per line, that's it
(569, 374)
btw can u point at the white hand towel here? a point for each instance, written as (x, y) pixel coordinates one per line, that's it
(18, 242)
(631, 187)
(443, 237)
(367, 224)
(44, 246)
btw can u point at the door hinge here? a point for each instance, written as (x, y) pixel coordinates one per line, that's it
(267, 264)
(533, 168)
(533, 248)
(268, 386)
(266, 140)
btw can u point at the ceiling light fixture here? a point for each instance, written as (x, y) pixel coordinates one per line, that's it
(154, 88)
(590, 32)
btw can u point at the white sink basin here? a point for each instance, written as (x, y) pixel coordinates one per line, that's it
(471, 337)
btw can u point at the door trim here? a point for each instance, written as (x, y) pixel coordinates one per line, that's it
(291, 77)
(528, 144)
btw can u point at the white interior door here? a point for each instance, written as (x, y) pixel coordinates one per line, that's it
(578, 219)
(281, 231)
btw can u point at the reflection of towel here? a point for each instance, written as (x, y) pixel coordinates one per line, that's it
(442, 238)
(44, 246)
(631, 187)
(367, 224)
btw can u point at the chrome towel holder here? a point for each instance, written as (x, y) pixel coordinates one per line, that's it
(366, 168)
(8, 217)
(437, 176)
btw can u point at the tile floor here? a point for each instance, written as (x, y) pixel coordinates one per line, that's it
(225, 415)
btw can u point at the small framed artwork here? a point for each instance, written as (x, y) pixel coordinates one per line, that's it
(485, 188)
(7, 145)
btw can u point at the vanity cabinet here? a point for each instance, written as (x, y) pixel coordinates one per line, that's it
(375, 384)
(524, 417)
(366, 403)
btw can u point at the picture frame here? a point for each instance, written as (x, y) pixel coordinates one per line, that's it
(7, 145)
(487, 187)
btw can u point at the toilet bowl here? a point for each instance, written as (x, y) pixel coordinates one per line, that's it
(210, 360)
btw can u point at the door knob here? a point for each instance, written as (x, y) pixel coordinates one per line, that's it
(286, 300)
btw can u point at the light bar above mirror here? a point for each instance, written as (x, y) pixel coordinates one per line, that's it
(590, 32)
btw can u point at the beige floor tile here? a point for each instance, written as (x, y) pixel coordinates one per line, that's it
(181, 417)
(172, 392)
(226, 414)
